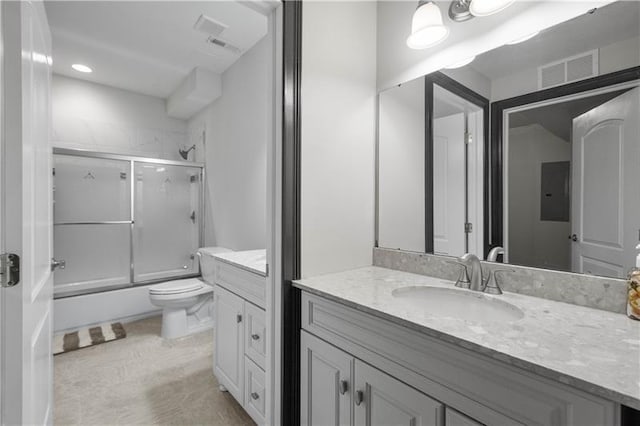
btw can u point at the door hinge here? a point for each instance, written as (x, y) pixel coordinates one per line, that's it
(266, 268)
(9, 269)
(468, 228)
(468, 138)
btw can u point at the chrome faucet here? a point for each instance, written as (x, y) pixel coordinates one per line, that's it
(474, 271)
(493, 254)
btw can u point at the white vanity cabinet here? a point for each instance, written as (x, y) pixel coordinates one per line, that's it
(338, 389)
(240, 337)
(408, 377)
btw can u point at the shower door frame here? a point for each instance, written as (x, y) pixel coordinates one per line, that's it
(132, 160)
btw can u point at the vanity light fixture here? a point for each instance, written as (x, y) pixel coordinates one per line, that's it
(81, 68)
(427, 28)
(459, 11)
(525, 38)
(488, 7)
(461, 63)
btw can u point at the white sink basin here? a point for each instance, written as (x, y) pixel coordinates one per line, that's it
(462, 304)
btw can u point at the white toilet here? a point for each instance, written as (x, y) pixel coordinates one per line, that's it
(187, 305)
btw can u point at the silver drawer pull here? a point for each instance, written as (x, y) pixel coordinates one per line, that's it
(344, 387)
(359, 397)
(255, 336)
(255, 396)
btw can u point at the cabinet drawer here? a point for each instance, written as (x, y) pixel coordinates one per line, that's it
(487, 390)
(254, 397)
(245, 284)
(255, 334)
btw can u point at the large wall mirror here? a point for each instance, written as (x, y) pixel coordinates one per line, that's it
(548, 172)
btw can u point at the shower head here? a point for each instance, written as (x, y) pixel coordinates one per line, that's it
(185, 153)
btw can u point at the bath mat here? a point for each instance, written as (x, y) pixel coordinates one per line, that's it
(87, 336)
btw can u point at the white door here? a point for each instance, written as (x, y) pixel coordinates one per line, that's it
(26, 324)
(606, 199)
(448, 185)
(326, 383)
(382, 400)
(229, 341)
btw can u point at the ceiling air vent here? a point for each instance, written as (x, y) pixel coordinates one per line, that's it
(568, 70)
(209, 26)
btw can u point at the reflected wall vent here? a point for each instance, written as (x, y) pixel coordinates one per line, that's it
(568, 70)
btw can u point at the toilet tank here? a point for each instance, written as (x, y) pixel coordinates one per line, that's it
(207, 262)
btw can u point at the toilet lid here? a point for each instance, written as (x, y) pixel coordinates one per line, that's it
(176, 287)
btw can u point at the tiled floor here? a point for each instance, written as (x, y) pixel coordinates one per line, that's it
(143, 379)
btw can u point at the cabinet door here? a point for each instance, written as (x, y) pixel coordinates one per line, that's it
(453, 418)
(228, 353)
(325, 384)
(382, 400)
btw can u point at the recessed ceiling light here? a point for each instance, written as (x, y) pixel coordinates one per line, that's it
(488, 7)
(525, 38)
(461, 63)
(81, 68)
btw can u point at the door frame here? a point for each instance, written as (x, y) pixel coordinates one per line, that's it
(3, 322)
(291, 212)
(470, 96)
(495, 192)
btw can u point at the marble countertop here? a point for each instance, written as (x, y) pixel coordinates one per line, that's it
(251, 260)
(589, 349)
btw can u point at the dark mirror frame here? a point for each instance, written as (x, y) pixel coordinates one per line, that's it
(470, 96)
(495, 208)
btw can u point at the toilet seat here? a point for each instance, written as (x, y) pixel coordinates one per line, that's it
(176, 287)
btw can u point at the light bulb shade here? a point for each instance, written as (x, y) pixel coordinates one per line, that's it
(427, 28)
(488, 7)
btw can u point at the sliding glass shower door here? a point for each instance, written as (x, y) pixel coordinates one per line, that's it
(167, 214)
(92, 223)
(121, 221)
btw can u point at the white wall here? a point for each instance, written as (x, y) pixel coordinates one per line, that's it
(96, 117)
(401, 167)
(533, 242)
(338, 135)
(472, 79)
(237, 133)
(614, 57)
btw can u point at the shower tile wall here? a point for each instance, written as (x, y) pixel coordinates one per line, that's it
(101, 118)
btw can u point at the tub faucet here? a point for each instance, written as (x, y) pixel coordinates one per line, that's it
(494, 253)
(474, 271)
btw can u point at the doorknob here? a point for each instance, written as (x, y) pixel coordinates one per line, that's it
(62, 264)
(573, 237)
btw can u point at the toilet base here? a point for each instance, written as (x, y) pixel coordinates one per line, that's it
(179, 322)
